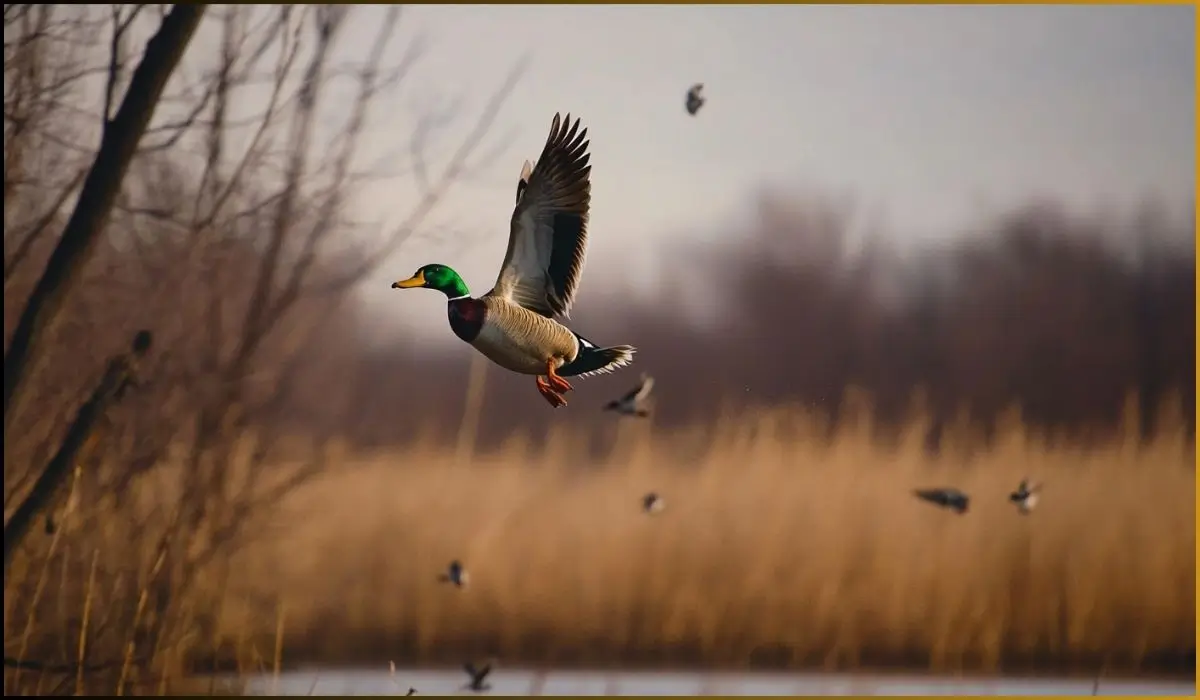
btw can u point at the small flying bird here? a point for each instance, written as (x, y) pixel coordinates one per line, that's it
(514, 325)
(392, 673)
(946, 498)
(477, 675)
(455, 574)
(1026, 496)
(632, 403)
(694, 100)
(653, 503)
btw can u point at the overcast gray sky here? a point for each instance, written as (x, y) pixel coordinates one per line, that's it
(933, 114)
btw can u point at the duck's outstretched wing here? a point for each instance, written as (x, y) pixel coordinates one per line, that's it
(643, 391)
(639, 392)
(547, 239)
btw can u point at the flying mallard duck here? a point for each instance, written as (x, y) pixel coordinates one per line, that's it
(947, 498)
(513, 324)
(477, 675)
(1026, 496)
(653, 503)
(455, 574)
(631, 404)
(694, 100)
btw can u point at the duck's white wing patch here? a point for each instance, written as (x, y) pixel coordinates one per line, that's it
(547, 239)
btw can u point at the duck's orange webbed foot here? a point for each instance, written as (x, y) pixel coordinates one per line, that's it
(556, 382)
(552, 397)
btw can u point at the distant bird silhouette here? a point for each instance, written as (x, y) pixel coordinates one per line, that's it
(694, 100)
(455, 574)
(632, 403)
(1026, 496)
(947, 498)
(653, 503)
(477, 675)
(392, 673)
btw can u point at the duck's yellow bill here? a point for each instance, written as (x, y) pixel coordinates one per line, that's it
(417, 280)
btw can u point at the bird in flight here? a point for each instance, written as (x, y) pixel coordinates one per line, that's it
(946, 498)
(455, 574)
(653, 503)
(1026, 496)
(633, 402)
(694, 100)
(477, 676)
(514, 324)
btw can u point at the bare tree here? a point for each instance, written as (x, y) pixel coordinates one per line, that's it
(117, 146)
(235, 239)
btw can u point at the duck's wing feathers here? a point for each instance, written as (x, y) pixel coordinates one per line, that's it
(547, 239)
(641, 391)
(526, 171)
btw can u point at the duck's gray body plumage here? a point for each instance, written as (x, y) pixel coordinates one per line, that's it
(523, 342)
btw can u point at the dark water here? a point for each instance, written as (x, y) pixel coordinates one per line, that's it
(529, 682)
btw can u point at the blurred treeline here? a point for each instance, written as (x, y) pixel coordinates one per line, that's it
(1060, 313)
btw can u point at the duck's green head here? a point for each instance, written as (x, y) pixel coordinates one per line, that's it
(435, 276)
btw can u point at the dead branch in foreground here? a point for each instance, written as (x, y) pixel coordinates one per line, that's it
(121, 374)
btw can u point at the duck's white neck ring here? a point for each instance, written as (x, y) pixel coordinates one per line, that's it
(465, 296)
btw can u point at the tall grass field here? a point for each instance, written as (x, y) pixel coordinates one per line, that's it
(781, 545)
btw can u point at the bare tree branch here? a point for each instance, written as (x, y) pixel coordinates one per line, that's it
(99, 191)
(433, 196)
(21, 250)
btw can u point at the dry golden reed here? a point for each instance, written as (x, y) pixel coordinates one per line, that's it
(781, 545)
(775, 548)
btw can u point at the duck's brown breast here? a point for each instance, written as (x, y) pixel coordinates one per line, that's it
(467, 317)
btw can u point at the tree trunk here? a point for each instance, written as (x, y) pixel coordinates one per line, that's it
(117, 148)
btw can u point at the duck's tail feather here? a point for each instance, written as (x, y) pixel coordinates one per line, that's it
(591, 360)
